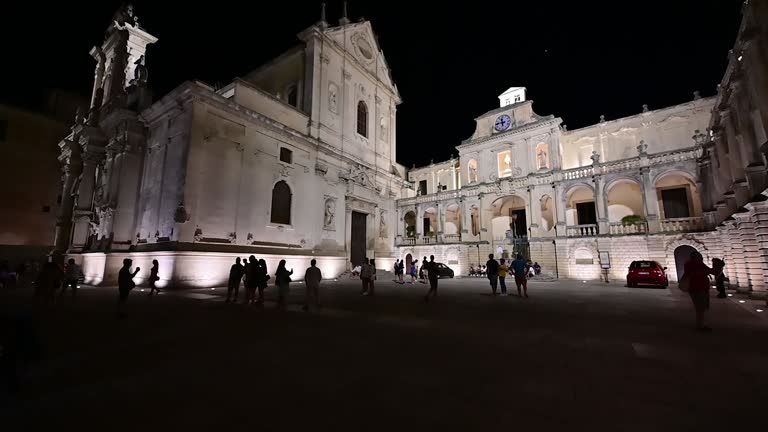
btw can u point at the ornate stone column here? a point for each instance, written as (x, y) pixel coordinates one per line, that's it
(440, 219)
(347, 227)
(560, 205)
(651, 202)
(419, 223)
(751, 157)
(98, 78)
(601, 207)
(463, 221)
(83, 212)
(724, 165)
(759, 217)
(70, 172)
(752, 267)
(738, 272)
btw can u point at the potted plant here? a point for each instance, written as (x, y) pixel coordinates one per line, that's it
(632, 220)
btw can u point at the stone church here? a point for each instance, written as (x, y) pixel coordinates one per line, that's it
(295, 160)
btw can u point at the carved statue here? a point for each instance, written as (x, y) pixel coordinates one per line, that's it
(125, 15)
(472, 173)
(542, 158)
(382, 223)
(140, 72)
(383, 132)
(595, 157)
(332, 98)
(330, 213)
(104, 215)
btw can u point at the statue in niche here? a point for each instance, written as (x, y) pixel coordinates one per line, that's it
(333, 98)
(542, 158)
(330, 213)
(472, 173)
(595, 158)
(382, 223)
(383, 132)
(140, 72)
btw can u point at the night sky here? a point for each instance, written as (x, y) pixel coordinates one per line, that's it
(450, 60)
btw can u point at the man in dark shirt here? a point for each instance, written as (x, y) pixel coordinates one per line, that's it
(492, 271)
(520, 266)
(125, 281)
(432, 275)
(235, 275)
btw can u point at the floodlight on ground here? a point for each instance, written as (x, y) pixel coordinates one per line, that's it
(142, 290)
(730, 295)
(759, 310)
(742, 301)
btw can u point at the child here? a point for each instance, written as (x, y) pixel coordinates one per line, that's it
(502, 276)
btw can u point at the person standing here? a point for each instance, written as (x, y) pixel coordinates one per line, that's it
(520, 266)
(492, 271)
(696, 274)
(233, 285)
(154, 277)
(282, 280)
(432, 275)
(262, 278)
(125, 282)
(412, 272)
(252, 280)
(372, 282)
(717, 267)
(365, 276)
(48, 281)
(502, 277)
(312, 278)
(424, 270)
(71, 276)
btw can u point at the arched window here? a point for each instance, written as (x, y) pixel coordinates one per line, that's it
(293, 96)
(362, 119)
(281, 203)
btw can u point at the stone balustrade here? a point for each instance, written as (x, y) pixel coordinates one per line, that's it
(577, 173)
(584, 230)
(618, 228)
(683, 224)
(452, 238)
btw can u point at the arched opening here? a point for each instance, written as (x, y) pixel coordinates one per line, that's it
(547, 213)
(679, 204)
(542, 156)
(509, 218)
(682, 256)
(408, 262)
(452, 228)
(281, 204)
(410, 224)
(292, 95)
(472, 171)
(504, 160)
(474, 216)
(362, 119)
(430, 222)
(580, 206)
(625, 198)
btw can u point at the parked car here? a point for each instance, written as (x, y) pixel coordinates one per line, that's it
(648, 273)
(444, 271)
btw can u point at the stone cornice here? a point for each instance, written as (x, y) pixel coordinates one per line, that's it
(548, 123)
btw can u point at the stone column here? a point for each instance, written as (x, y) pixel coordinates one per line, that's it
(755, 54)
(601, 205)
(759, 217)
(400, 232)
(440, 219)
(750, 257)
(535, 213)
(560, 203)
(83, 211)
(347, 227)
(98, 78)
(419, 223)
(70, 172)
(738, 266)
(724, 165)
(651, 202)
(463, 210)
(751, 157)
(737, 169)
(730, 271)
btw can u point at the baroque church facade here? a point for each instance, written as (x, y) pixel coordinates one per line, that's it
(297, 160)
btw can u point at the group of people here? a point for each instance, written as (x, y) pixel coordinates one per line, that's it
(482, 270)
(415, 271)
(496, 271)
(695, 281)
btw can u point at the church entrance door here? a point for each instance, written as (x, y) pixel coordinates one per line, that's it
(357, 238)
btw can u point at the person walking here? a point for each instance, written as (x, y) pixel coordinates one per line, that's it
(236, 273)
(262, 278)
(71, 276)
(252, 280)
(432, 275)
(424, 270)
(282, 280)
(312, 278)
(154, 277)
(502, 277)
(696, 280)
(398, 274)
(125, 283)
(365, 276)
(492, 271)
(717, 267)
(48, 281)
(412, 272)
(372, 282)
(520, 267)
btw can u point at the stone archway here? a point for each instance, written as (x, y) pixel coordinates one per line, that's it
(678, 252)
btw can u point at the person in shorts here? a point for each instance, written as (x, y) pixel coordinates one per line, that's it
(520, 267)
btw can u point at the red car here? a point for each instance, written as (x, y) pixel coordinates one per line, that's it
(647, 273)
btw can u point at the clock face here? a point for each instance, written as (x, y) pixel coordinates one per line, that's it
(503, 123)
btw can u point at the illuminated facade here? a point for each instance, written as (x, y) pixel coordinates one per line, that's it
(295, 160)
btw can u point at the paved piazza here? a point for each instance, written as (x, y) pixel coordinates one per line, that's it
(575, 355)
